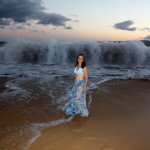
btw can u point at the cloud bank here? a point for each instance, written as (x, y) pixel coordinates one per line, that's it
(20, 11)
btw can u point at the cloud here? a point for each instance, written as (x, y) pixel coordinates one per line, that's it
(23, 28)
(146, 28)
(20, 11)
(5, 22)
(68, 27)
(37, 31)
(54, 19)
(125, 25)
(75, 21)
(17, 27)
(147, 37)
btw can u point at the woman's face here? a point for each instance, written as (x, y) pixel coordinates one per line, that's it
(80, 59)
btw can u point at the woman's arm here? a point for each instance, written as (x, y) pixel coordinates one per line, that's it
(85, 69)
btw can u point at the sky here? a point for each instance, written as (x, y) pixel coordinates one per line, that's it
(100, 20)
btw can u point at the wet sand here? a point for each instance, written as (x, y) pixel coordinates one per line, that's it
(16, 116)
(119, 120)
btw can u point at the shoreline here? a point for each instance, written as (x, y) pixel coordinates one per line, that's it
(119, 119)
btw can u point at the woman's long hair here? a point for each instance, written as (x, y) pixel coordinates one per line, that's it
(83, 64)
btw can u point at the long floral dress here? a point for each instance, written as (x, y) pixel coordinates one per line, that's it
(76, 103)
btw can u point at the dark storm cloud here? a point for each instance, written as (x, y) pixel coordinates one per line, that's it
(54, 19)
(125, 25)
(21, 11)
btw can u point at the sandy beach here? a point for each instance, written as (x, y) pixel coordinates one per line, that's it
(119, 120)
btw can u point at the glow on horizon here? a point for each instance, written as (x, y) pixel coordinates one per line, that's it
(96, 20)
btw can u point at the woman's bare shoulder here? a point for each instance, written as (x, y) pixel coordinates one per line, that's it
(85, 68)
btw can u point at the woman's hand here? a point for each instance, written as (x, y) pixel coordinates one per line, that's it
(84, 88)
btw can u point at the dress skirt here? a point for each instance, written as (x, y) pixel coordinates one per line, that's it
(76, 100)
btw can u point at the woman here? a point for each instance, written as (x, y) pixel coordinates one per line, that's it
(76, 103)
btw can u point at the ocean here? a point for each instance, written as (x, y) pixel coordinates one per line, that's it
(39, 76)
